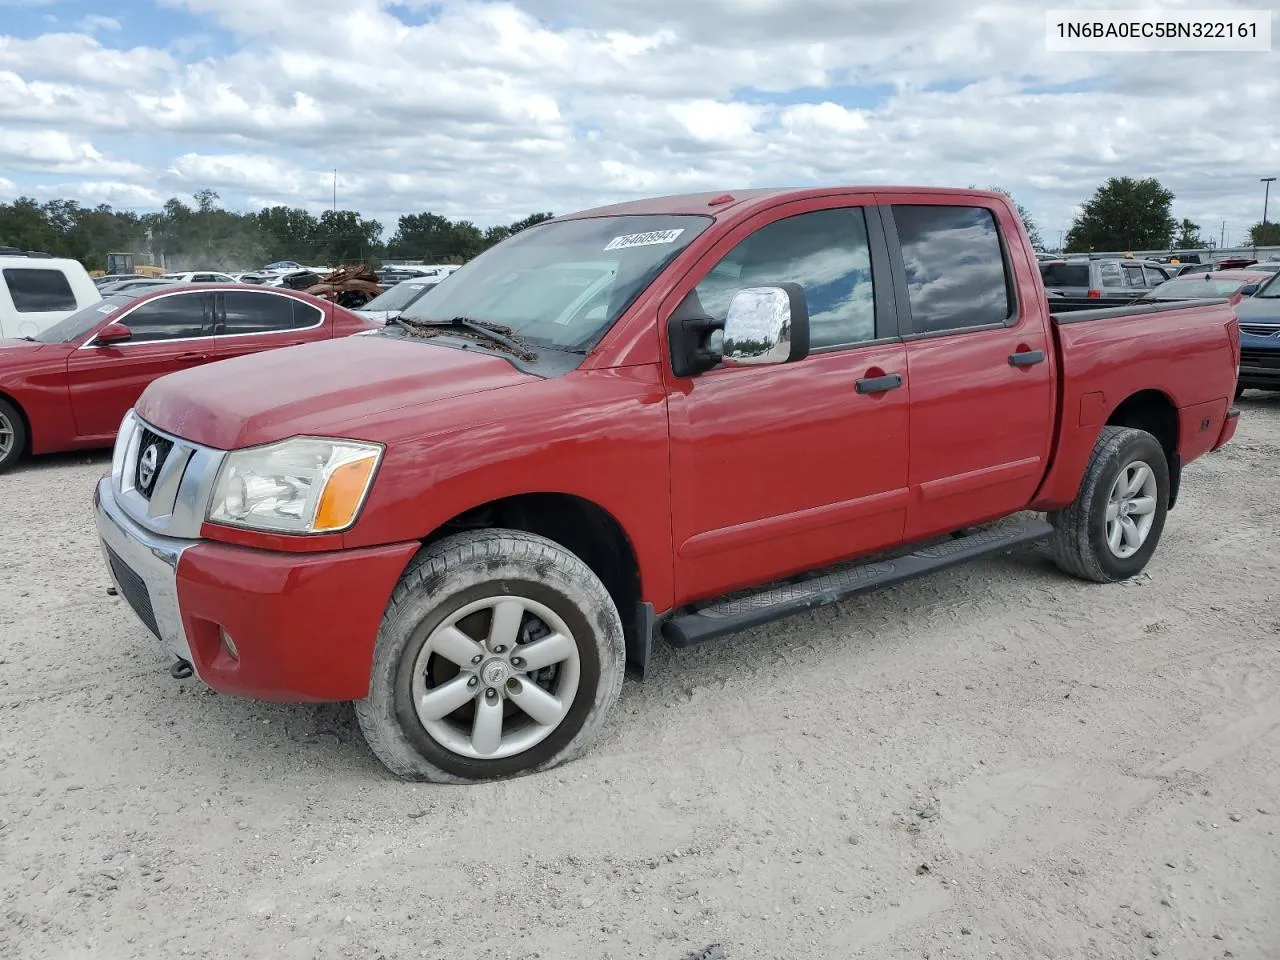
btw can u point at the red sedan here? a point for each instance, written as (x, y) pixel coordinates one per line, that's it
(69, 387)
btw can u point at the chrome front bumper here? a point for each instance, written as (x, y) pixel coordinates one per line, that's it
(143, 566)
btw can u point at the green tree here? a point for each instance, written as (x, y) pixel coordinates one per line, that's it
(345, 237)
(1188, 237)
(289, 233)
(1124, 214)
(1265, 234)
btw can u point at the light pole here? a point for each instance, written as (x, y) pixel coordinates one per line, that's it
(1266, 197)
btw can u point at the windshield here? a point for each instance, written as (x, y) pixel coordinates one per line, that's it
(399, 296)
(1271, 290)
(83, 320)
(564, 284)
(1186, 288)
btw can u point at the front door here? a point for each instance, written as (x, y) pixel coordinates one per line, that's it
(170, 333)
(777, 469)
(980, 359)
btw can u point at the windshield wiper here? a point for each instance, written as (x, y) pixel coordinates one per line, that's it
(496, 333)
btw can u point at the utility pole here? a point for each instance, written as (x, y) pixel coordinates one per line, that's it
(1266, 197)
(335, 189)
(1222, 241)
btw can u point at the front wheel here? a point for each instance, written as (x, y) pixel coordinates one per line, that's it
(13, 435)
(1110, 532)
(500, 653)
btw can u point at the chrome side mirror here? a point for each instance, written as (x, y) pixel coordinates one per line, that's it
(767, 325)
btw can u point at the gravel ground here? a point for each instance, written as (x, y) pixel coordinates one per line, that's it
(995, 762)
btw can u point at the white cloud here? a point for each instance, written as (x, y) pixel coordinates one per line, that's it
(490, 110)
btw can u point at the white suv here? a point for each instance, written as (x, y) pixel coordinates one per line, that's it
(36, 292)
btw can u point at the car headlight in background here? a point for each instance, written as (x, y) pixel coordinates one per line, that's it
(302, 485)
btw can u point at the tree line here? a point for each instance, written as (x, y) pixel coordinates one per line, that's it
(205, 236)
(1136, 214)
(1123, 214)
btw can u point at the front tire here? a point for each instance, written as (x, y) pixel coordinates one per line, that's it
(13, 435)
(500, 654)
(1112, 529)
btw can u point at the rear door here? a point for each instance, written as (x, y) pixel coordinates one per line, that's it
(980, 361)
(250, 321)
(170, 333)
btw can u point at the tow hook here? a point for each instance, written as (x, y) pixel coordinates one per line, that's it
(180, 670)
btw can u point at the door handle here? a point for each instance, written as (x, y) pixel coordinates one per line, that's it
(1028, 358)
(191, 357)
(890, 381)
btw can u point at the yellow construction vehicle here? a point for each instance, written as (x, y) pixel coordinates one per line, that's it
(121, 264)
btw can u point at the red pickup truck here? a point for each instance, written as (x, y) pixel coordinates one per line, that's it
(682, 416)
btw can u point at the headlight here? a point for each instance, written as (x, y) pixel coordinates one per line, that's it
(303, 485)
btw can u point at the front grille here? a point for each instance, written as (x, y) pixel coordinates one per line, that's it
(1259, 330)
(147, 470)
(1260, 358)
(134, 590)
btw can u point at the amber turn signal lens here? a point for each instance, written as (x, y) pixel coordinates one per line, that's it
(342, 494)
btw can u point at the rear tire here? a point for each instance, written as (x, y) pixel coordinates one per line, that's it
(459, 694)
(1111, 530)
(13, 435)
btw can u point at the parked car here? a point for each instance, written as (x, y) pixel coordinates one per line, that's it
(1260, 338)
(68, 387)
(1090, 282)
(1270, 266)
(200, 277)
(135, 287)
(1207, 286)
(690, 414)
(38, 291)
(393, 302)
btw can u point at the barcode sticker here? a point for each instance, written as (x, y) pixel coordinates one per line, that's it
(644, 239)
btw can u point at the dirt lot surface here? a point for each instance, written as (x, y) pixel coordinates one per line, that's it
(996, 762)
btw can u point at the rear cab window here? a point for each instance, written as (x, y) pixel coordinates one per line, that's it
(957, 274)
(39, 290)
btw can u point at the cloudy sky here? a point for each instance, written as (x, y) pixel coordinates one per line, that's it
(492, 110)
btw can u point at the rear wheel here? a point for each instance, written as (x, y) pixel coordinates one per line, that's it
(13, 435)
(501, 653)
(1114, 526)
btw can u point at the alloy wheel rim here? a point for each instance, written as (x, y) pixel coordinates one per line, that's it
(1131, 509)
(496, 678)
(7, 436)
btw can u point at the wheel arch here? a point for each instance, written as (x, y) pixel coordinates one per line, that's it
(588, 531)
(1155, 412)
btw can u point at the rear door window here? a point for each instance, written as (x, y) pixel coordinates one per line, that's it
(246, 312)
(955, 267)
(1133, 275)
(1111, 276)
(36, 290)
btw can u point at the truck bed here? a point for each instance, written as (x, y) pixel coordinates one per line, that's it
(1074, 315)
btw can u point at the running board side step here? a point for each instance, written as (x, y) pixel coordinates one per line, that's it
(742, 611)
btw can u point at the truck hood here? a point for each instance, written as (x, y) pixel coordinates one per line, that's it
(323, 388)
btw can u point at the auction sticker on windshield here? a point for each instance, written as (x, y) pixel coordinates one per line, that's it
(644, 239)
